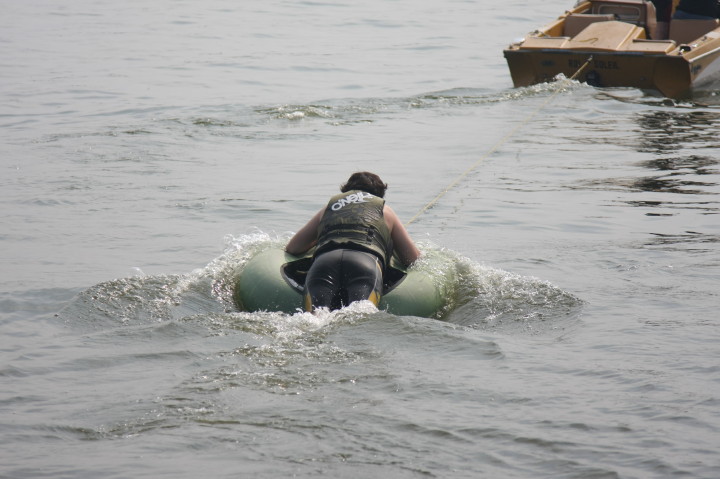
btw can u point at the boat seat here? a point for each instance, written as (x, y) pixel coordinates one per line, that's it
(543, 43)
(639, 12)
(684, 31)
(576, 22)
(651, 46)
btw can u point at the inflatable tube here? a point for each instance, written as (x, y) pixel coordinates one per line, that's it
(272, 281)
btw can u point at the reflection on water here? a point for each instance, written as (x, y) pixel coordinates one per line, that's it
(677, 179)
(662, 131)
(667, 133)
(706, 208)
(698, 242)
(663, 184)
(681, 176)
(700, 165)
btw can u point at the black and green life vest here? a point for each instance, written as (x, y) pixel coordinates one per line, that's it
(355, 220)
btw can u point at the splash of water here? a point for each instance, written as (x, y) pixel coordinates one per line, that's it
(475, 296)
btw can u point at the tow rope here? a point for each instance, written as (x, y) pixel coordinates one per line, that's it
(497, 145)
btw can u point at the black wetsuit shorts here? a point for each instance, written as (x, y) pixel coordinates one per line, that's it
(342, 276)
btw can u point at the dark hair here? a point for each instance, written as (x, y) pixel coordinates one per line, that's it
(365, 181)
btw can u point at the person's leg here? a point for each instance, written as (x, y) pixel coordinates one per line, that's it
(322, 283)
(362, 276)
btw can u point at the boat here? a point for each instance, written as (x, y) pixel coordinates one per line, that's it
(620, 43)
(273, 280)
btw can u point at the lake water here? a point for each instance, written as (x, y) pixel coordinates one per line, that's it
(150, 148)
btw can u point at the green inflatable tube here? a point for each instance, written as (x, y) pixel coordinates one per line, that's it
(272, 281)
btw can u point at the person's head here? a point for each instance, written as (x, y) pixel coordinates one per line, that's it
(365, 181)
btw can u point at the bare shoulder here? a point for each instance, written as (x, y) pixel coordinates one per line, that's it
(390, 217)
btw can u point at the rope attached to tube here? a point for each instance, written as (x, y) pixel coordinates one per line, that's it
(496, 146)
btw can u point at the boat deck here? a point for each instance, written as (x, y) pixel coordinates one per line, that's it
(612, 36)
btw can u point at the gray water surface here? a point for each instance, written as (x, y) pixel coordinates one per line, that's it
(149, 149)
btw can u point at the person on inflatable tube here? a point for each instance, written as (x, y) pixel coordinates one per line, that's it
(354, 236)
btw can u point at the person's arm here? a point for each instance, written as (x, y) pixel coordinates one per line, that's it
(306, 238)
(402, 243)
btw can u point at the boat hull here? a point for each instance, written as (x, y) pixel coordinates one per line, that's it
(669, 76)
(262, 286)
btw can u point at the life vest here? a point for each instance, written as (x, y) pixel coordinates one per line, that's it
(354, 220)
